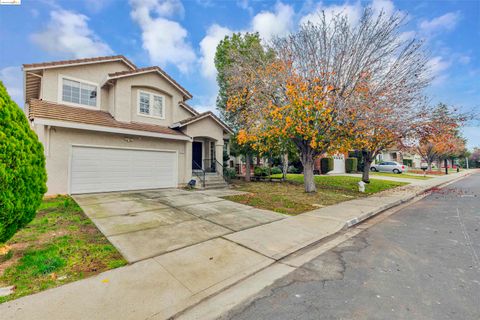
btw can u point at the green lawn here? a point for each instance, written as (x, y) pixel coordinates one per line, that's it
(290, 198)
(402, 175)
(60, 245)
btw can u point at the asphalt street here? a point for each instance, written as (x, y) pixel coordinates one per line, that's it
(422, 262)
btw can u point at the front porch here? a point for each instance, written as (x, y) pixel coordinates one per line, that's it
(207, 162)
(204, 155)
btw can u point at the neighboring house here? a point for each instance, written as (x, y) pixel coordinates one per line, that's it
(338, 163)
(394, 154)
(107, 125)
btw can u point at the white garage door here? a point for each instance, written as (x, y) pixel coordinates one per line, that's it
(96, 169)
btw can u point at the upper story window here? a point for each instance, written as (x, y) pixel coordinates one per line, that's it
(150, 104)
(78, 92)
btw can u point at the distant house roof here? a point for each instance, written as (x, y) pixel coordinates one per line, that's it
(48, 110)
(199, 117)
(53, 64)
(129, 73)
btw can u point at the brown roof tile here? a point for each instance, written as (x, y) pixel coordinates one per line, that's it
(85, 60)
(153, 68)
(43, 109)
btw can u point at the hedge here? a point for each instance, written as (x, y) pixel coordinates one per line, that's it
(22, 169)
(276, 170)
(351, 165)
(326, 165)
(261, 171)
(408, 162)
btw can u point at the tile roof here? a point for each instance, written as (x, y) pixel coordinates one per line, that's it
(148, 69)
(48, 110)
(78, 61)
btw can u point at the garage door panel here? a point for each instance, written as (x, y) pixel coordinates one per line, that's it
(95, 169)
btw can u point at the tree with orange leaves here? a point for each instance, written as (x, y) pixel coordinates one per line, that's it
(438, 137)
(310, 94)
(299, 114)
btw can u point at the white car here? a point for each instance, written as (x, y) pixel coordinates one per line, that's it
(388, 166)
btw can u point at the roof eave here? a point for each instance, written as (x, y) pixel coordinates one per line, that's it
(92, 127)
(26, 67)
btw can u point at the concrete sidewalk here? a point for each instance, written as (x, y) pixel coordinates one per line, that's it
(163, 286)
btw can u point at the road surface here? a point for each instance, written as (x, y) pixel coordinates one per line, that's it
(422, 262)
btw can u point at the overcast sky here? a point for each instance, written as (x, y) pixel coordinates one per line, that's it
(181, 37)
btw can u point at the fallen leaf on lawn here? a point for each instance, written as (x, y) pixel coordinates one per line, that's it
(105, 280)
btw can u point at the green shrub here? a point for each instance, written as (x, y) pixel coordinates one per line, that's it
(326, 165)
(230, 173)
(293, 169)
(408, 162)
(22, 168)
(351, 165)
(276, 170)
(260, 171)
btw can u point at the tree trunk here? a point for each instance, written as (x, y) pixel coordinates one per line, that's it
(367, 162)
(247, 167)
(429, 165)
(285, 167)
(258, 160)
(445, 161)
(308, 161)
(308, 177)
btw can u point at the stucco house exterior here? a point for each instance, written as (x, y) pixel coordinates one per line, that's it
(107, 125)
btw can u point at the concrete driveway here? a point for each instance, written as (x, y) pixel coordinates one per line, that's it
(145, 224)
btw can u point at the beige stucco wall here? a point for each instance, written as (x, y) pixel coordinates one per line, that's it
(126, 103)
(61, 140)
(95, 73)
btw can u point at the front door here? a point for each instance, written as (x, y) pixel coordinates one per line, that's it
(197, 155)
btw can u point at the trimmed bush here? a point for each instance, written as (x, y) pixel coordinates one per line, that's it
(22, 169)
(260, 171)
(293, 169)
(351, 165)
(230, 173)
(408, 162)
(326, 165)
(276, 170)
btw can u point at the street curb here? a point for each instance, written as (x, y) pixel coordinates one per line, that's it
(353, 222)
(240, 292)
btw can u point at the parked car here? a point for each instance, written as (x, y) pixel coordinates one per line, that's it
(389, 166)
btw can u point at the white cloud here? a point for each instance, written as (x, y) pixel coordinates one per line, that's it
(12, 78)
(271, 24)
(68, 34)
(165, 40)
(464, 59)
(446, 22)
(437, 66)
(245, 5)
(352, 11)
(96, 6)
(386, 6)
(208, 47)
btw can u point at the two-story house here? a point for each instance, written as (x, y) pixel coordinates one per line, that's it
(107, 125)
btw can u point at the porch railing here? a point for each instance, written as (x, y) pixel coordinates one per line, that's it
(199, 172)
(214, 166)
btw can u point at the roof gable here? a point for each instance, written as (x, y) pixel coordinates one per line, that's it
(154, 69)
(201, 116)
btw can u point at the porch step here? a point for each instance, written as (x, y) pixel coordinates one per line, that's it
(215, 182)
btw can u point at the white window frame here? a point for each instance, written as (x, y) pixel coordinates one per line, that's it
(152, 97)
(61, 77)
